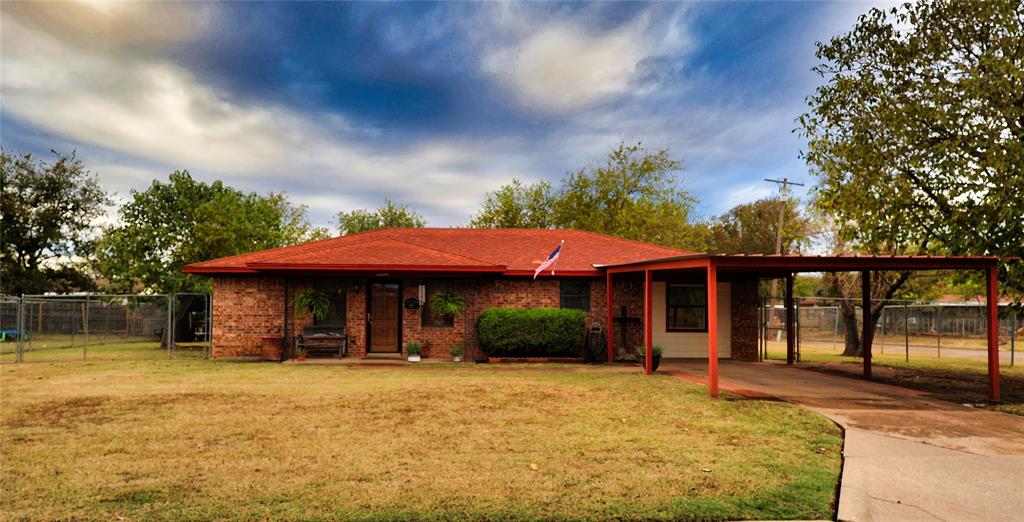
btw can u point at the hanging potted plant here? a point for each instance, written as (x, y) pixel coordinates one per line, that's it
(413, 349)
(447, 303)
(313, 301)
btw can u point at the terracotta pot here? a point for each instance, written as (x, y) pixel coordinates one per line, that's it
(272, 348)
(301, 358)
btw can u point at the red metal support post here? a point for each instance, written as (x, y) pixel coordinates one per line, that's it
(992, 307)
(611, 324)
(712, 304)
(648, 328)
(790, 321)
(866, 329)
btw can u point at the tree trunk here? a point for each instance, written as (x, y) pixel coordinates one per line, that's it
(848, 314)
(883, 291)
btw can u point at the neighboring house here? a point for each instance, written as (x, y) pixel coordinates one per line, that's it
(380, 283)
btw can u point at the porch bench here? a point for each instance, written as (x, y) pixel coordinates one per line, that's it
(324, 340)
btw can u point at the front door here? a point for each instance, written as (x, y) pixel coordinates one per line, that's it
(383, 317)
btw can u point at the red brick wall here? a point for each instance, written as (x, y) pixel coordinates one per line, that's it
(437, 340)
(628, 293)
(744, 320)
(244, 310)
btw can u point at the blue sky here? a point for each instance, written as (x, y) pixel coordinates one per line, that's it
(432, 104)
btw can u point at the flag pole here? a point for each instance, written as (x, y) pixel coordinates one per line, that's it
(560, 245)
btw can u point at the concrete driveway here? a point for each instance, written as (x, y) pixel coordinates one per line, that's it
(906, 457)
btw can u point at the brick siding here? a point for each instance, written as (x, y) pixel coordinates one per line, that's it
(246, 308)
(744, 320)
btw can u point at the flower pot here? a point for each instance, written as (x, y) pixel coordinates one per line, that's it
(414, 358)
(457, 358)
(655, 361)
(301, 358)
(271, 348)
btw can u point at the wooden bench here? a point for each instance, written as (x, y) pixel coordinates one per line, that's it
(324, 340)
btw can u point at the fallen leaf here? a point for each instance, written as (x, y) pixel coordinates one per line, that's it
(534, 466)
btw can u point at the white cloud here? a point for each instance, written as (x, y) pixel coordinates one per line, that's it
(563, 68)
(148, 108)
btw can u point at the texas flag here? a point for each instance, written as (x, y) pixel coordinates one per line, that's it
(549, 261)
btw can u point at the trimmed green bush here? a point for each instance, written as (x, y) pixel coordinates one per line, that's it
(533, 332)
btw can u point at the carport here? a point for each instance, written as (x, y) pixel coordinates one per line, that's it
(712, 269)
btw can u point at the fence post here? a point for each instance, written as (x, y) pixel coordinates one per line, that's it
(906, 333)
(798, 330)
(835, 329)
(881, 343)
(18, 356)
(938, 332)
(85, 330)
(1013, 336)
(170, 306)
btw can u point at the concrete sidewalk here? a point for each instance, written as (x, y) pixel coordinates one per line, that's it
(906, 457)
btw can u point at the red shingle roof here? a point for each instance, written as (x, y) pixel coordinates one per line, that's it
(509, 251)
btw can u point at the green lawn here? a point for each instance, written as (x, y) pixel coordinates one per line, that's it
(203, 439)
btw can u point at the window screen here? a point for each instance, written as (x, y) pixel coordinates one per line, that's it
(686, 307)
(575, 294)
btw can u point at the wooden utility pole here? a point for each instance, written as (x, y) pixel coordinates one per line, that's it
(783, 184)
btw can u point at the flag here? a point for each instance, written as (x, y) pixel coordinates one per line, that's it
(550, 261)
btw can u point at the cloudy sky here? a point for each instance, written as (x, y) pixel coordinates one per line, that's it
(343, 104)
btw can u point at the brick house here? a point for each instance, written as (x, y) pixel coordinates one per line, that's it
(380, 283)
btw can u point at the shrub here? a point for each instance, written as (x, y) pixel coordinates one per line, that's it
(456, 351)
(534, 332)
(413, 347)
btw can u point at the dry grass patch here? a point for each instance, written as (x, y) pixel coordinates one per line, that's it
(202, 440)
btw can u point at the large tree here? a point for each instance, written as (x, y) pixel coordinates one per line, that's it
(47, 211)
(517, 206)
(752, 228)
(633, 194)
(917, 137)
(917, 134)
(184, 221)
(388, 215)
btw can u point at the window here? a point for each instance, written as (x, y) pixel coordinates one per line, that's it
(428, 317)
(686, 307)
(336, 312)
(575, 294)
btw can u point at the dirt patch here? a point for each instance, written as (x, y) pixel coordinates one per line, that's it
(962, 387)
(97, 409)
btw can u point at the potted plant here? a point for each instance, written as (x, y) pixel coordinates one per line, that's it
(656, 353)
(413, 349)
(313, 301)
(447, 303)
(456, 352)
(300, 353)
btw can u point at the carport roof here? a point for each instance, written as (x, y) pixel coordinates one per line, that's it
(786, 263)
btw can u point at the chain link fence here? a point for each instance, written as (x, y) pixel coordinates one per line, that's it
(905, 329)
(104, 327)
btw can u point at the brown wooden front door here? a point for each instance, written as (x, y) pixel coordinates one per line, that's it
(384, 317)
